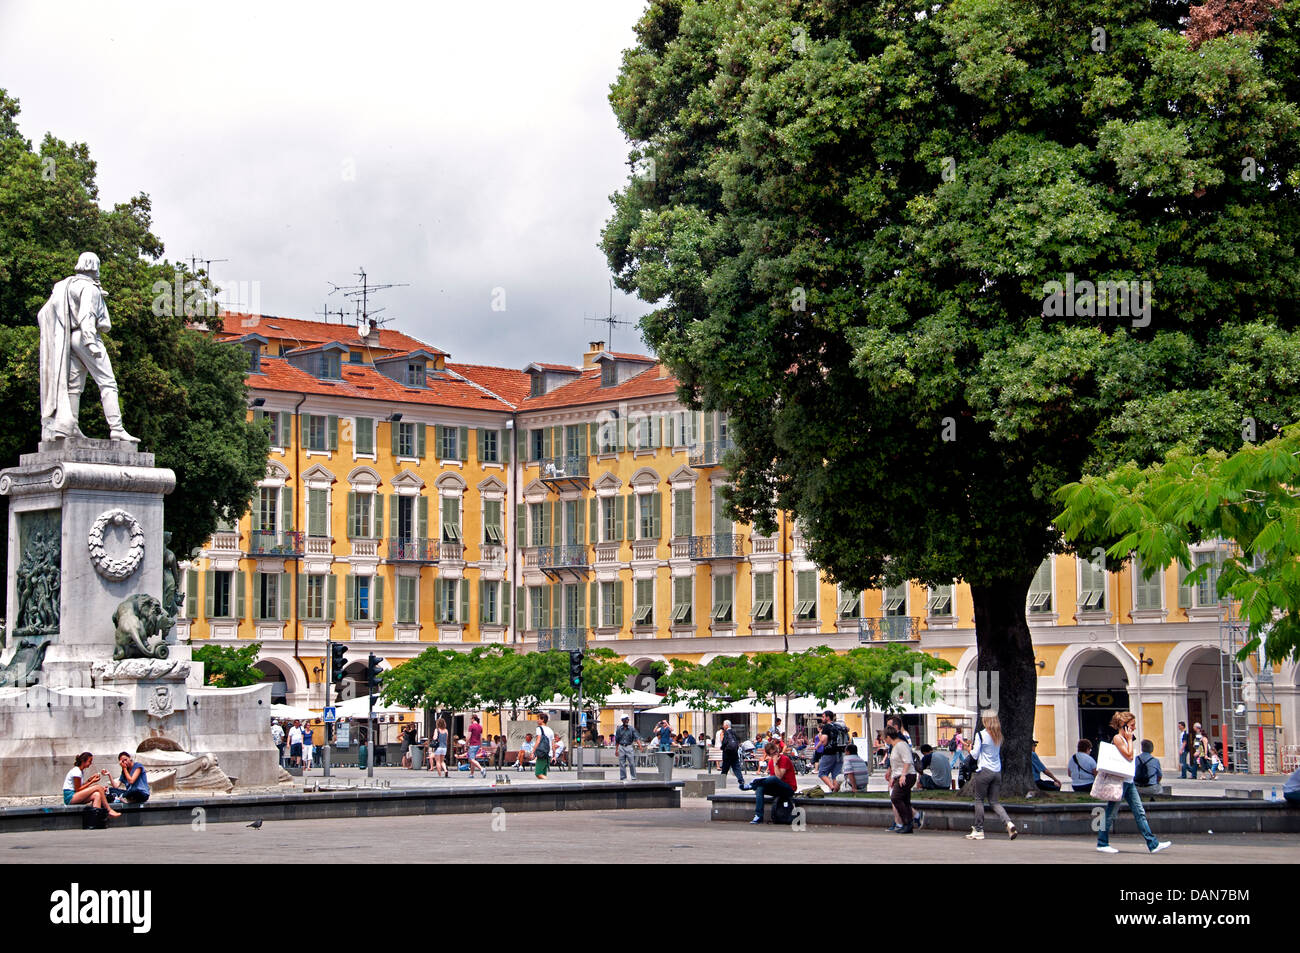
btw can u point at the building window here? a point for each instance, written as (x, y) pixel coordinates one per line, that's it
(489, 607)
(1092, 587)
(536, 610)
(489, 445)
(451, 519)
(361, 513)
(939, 601)
(536, 444)
(267, 597)
(449, 448)
(764, 587)
(405, 439)
(220, 598)
(535, 387)
(539, 527)
(407, 599)
(609, 519)
(363, 431)
(447, 600)
(572, 606)
(415, 374)
(492, 522)
(645, 602)
(683, 513)
(682, 600)
(848, 604)
(329, 365)
(647, 524)
(805, 606)
(608, 374)
(363, 598)
(1040, 590)
(609, 614)
(723, 588)
(354, 357)
(1147, 593)
(314, 604)
(317, 436)
(268, 508)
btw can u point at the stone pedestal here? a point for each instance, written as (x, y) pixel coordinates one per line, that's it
(104, 501)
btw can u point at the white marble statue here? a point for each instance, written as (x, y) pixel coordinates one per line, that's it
(71, 348)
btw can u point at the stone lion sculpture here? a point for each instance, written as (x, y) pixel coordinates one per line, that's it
(141, 626)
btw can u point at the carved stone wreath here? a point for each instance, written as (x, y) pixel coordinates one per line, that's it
(121, 567)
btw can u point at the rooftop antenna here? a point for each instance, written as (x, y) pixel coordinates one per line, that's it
(360, 294)
(326, 312)
(611, 319)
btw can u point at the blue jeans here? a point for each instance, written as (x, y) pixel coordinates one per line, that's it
(773, 787)
(1186, 763)
(1139, 816)
(1292, 798)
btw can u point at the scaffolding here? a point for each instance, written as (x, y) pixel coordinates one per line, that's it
(1250, 711)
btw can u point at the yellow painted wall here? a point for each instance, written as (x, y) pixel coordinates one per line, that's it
(1153, 728)
(1045, 730)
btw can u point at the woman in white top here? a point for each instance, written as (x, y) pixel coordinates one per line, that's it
(987, 752)
(1125, 725)
(76, 790)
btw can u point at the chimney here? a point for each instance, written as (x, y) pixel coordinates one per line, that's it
(589, 359)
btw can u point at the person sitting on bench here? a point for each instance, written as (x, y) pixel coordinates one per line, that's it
(90, 792)
(525, 756)
(134, 785)
(780, 782)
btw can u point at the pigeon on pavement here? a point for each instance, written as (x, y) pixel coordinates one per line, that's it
(256, 825)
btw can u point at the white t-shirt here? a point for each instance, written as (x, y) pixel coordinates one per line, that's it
(988, 754)
(295, 735)
(277, 734)
(550, 738)
(68, 784)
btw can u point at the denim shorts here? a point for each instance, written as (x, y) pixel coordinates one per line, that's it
(473, 752)
(830, 765)
(67, 795)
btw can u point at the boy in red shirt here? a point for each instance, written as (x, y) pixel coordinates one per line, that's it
(780, 782)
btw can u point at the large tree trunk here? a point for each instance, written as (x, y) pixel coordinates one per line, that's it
(1007, 680)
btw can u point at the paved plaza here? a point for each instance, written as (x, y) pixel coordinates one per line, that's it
(654, 836)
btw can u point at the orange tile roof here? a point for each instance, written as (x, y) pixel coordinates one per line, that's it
(307, 333)
(507, 383)
(628, 356)
(364, 382)
(587, 390)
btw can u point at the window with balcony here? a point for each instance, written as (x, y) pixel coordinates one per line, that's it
(573, 607)
(893, 601)
(536, 444)
(723, 592)
(451, 519)
(318, 512)
(848, 604)
(268, 512)
(362, 516)
(609, 531)
(573, 528)
(805, 607)
(492, 533)
(648, 509)
(683, 597)
(644, 613)
(408, 599)
(537, 524)
(764, 589)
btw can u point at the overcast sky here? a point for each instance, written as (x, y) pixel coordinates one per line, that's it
(461, 148)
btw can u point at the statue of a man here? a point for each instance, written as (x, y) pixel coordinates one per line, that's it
(71, 348)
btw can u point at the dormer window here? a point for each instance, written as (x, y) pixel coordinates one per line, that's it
(608, 374)
(329, 365)
(415, 374)
(538, 387)
(254, 360)
(354, 357)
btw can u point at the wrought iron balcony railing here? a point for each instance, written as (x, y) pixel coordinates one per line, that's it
(709, 453)
(568, 638)
(263, 542)
(717, 546)
(563, 557)
(403, 549)
(890, 628)
(567, 467)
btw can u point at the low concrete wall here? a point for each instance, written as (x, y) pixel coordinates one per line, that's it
(561, 796)
(1183, 816)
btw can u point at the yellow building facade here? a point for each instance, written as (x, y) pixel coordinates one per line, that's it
(412, 501)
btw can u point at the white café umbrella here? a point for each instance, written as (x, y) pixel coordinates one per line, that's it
(633, 698)
(360, 708)
(289, 711)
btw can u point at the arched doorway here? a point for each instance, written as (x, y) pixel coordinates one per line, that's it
(1202, 677)
(277, 678)
(1101, 684)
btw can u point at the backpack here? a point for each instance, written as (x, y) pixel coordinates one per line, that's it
(839, 736)
(783, 810)
(543, 747)
(1142, 773)
(94, 818)
(729, 741)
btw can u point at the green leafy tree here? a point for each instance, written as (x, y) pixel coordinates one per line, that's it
(885, 678)
(183, 394)
(230, 667)
(850, 217)
(603, 673)
(1249, 498)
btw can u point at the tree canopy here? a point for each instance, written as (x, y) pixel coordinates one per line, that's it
(936, 261)
(183, 394)
(230, 667)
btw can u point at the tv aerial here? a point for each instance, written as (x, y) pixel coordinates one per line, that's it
(611, 319)
(360, 295)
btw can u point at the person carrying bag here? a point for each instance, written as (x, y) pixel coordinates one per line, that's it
(1114, 784)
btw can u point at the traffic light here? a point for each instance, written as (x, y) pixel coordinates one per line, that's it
(337, 663)
(374, 674)
(575, 669)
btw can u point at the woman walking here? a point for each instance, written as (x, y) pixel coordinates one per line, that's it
(438, 749)
(987, 754)
(902, 776)
(1125, 725)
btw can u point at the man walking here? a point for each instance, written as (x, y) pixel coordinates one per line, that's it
(295, 744)
(1186, 760)
(730, 746)
(277, 739)
(545, 746)
(625, 737)
(834, 740)
(475, 746)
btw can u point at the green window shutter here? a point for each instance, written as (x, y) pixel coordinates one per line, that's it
(209, 593)
(521, 524)
(259, 418)
(302, 595)
(581, 614)
(191, 593)
(393, 510)
(333, 432)
(482, 604)
(255, 513)
(656, 511)
(378, 516)
(618, 518)
(419, 441)
(317, 522)
(479, 440)
(437, 441)
(520, 609)
(286, 509)
(521, 446)
(422, 517)
(681, 512)
(503, 446)
(548, 510)
(708, 426)
(548, 449)
(1184, 591)
(286, 596)
(547, 618)
(240, 589)
(354, 518)
(377, 598)
(464, 602)
(593, 521)
(331, 595)
(259, 605)
(579, 528)
(618, 602)
(656, 436)
(596, 618)
(393, 430)
(304, 425)
(633, 516)
(350, 609)
(504, 617)
(462, 444)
